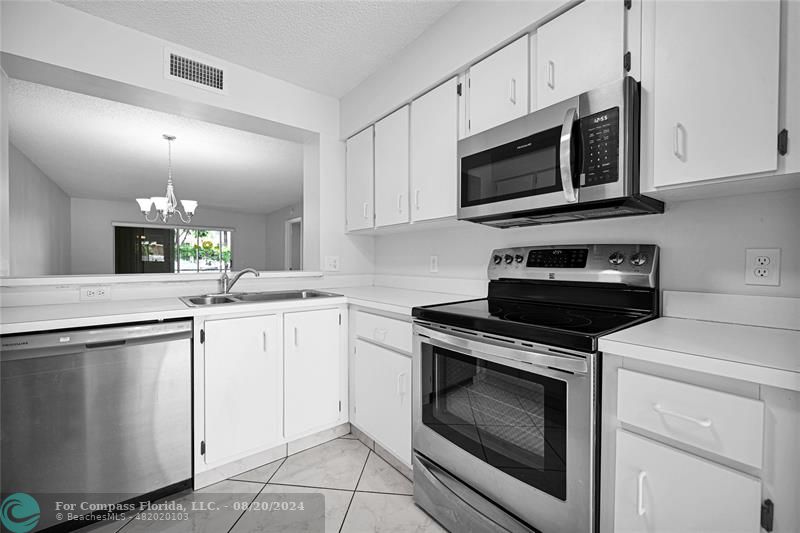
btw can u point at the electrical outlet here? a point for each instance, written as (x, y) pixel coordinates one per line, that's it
(331, 263)
(96, 292)
(434, 263)
(762, 266)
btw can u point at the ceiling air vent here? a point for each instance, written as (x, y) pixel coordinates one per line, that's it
(182, 68)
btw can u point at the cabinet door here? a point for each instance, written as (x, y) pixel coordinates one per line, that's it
(715, 89)
(243, 386)
(360, 180)
(434, 155)
(659, 489)
(391, 169)
(579, 51)
(498, 87)
(312, 355)
(383, 397)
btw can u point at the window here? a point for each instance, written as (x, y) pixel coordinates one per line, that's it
(166, 250)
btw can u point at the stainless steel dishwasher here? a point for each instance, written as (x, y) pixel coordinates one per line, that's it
(98, 415)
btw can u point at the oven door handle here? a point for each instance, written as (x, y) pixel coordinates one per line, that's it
(565, 155)
(493, 352)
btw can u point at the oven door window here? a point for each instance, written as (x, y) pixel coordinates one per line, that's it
(512, 420)
(527, 167)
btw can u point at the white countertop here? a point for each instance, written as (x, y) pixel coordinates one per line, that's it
(770, 356)
(73, 315)
(396, 300)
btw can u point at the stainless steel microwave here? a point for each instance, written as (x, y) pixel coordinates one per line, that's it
(574, 160)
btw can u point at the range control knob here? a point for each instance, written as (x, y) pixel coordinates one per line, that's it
(617, 258)
(638, 259)
(498, 259)
(508, 259)
(518, 258)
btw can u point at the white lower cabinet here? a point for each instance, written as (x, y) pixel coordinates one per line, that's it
(383, 397)
(659, 489)
(312, 347)
(243, 386)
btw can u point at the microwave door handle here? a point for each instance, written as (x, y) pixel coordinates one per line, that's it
(565, 152)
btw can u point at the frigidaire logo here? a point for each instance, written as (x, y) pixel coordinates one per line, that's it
(601, 118)
(18, 343)
(19, 513)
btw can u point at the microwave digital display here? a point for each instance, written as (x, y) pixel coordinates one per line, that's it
(600, 134)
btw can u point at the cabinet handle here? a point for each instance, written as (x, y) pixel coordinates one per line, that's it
(401, 382)
(264, 339)
(702, 422)
(379, 334)
(640, 494)
(550, 75)
(416, 198)
(364, 209)
(296, 338)
(399, 203)
(677, 141)
(512, 91)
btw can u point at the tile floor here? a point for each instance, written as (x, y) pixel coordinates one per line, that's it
(363, 494)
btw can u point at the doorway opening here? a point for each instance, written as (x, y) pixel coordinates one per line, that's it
(294, 244)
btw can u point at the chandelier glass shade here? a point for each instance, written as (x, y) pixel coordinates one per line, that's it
(167, 206)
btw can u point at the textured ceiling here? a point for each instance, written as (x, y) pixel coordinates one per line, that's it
(328, 46)
(96, 148)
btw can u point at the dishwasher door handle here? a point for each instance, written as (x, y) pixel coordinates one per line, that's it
(34, 345)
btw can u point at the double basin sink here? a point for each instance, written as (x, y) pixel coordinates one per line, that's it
(253, 297)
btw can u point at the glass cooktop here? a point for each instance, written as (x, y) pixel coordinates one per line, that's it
(572, 327)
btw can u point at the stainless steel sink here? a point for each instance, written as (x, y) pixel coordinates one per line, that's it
(282, 295)
(253, 297)
(209, 299)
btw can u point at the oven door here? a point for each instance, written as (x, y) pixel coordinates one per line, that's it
(528, 163)
(514, 424)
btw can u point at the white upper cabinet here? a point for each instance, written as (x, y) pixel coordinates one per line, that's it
(659, 489)
(434, 156)
(714, 89)
(498, 87)
(243, 386)
(391, 169)
(360, 180)
(312, 359)
(580, 50)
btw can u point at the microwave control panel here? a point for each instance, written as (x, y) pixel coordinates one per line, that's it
(601, 147)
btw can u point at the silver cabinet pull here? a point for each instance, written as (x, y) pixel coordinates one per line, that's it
(550, 75)
(399, 203)
(678, 140)
(264, 339)
(364, 209)
(702, 422)
(512, 91)
(296, 338)
(416, 198)
(565, 153)
(640, 493)
(401, 389)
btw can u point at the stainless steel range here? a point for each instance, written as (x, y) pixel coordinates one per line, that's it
(505, 404)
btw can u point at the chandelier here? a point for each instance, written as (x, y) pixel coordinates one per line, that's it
(167, 206)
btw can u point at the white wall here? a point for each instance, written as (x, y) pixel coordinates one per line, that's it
(39, 226)
(462, 36)
(702, 243)
(276, 235)
(57, 35)
(93, 233)
(5, 237)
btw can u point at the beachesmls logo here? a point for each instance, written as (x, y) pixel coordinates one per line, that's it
(19, 513)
